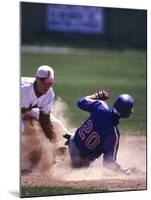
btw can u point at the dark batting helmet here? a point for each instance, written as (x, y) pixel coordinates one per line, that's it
(123, 105)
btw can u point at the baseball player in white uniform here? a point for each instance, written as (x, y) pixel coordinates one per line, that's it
(37, 97)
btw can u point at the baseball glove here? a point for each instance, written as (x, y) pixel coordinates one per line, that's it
(101, 95)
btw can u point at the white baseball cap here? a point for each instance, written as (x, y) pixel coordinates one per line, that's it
(46, 72)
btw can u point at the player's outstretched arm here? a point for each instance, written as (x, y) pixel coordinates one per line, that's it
(47, 127)
(90, 102)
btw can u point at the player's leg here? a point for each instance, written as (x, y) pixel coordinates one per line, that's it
(76, 159)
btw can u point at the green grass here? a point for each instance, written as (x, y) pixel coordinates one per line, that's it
(81, 73)
(53, 191)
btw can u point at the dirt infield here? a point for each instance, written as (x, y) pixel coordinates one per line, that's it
(43, 165)
(106, 184)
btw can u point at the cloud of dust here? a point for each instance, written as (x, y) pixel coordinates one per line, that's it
(59, 110)
(39, 155)
(132, 152)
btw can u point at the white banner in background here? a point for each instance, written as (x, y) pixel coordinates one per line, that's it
(79, 19)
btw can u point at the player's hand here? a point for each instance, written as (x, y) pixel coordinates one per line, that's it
(101, 95)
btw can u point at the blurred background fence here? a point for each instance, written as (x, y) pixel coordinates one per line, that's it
(83, 26)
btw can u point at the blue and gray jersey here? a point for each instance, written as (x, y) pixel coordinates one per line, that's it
(99, 133)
